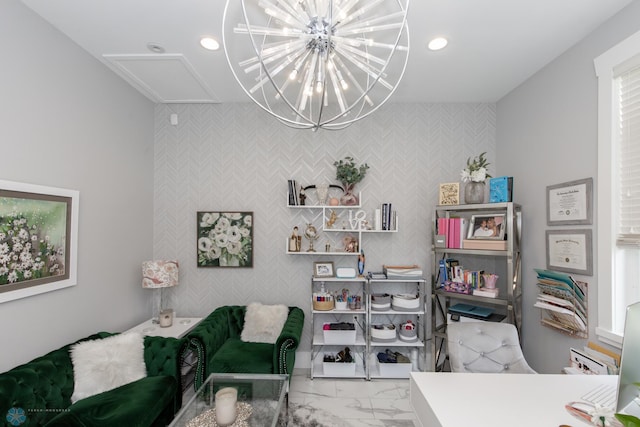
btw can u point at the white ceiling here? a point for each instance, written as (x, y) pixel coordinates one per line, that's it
(494, 45)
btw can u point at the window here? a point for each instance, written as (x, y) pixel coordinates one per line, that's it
(618, 72)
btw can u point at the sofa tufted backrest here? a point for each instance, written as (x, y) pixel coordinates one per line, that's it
(40, 388)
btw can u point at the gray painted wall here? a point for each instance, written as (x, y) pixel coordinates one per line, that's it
(547, 134)
(236, 157)
(67, 121)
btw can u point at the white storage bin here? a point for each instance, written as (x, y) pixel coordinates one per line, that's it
(339, 369)
(394, 370)
(339, 337)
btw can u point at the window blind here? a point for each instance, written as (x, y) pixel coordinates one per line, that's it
(628, 84)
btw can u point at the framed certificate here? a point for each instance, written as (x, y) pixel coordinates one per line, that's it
(570, 251)
(570, 203)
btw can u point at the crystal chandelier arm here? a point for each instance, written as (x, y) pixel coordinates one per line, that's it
(273, 54)
(269, 31)
(338, 61)
(342, 11)
(371, 71)
(371, 29)
(372, 21)
(365, 54)
(270, 74)
(358, 13)
(289, 15)
(306, 86)
(357, 42)
(336, 88)
(295, 6)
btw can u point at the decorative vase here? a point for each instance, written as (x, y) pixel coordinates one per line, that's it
(474, 192)
(348, 198)
(322, 190)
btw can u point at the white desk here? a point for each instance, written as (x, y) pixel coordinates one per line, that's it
(180, 327)
(494, 400)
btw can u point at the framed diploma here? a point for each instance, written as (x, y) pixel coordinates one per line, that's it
(570, 251)
(570, 203)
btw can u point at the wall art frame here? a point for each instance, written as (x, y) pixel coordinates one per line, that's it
(225, 239)
(38, 239)
(323, 269)
(449, 194)
(570, 203)
(570, 251)
(481, 228)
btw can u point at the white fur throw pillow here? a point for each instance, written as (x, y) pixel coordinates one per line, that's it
(104, 364)
(263, 323)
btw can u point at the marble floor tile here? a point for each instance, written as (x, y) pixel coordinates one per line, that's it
(327, 402)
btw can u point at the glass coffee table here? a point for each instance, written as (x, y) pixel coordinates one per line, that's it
(261, 402)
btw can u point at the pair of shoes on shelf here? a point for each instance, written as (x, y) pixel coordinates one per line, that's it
(392, 357)
(344, 356)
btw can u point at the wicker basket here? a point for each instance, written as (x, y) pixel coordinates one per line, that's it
(323, 305)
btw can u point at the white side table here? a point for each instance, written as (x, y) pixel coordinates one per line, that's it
(181, 326)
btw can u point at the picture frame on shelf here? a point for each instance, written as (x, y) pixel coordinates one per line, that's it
(323, 269)
(570, 251)
(40, 228)
(449, 194)
(487, 227)
(570, 203)
(225, 239)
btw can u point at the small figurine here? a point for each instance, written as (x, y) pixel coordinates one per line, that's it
(294, 246)
(333, 217)
(361, 263)
(302, 197)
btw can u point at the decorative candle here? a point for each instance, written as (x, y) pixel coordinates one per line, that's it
(226, 406)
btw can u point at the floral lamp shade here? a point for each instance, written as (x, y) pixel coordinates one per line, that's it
(159, 274)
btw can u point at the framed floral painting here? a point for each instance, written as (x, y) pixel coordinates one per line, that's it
(225, 239)
(38, 239)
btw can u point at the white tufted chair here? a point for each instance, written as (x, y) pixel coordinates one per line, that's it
(487, 347)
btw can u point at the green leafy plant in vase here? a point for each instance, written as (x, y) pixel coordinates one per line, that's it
(349, 175)
(475, 175)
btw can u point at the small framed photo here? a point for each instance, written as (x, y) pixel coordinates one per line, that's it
(487, 227)
(449, 193)
(323, 269)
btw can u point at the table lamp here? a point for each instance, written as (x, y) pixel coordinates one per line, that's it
(161, 274)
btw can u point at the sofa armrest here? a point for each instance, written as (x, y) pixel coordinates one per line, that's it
(164, 357)
(206, 339)
(284, 352)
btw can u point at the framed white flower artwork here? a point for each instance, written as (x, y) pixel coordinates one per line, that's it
(38, 239)
(225, 239)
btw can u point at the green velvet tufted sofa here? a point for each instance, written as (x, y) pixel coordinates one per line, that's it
(216, 341)
(40, 391)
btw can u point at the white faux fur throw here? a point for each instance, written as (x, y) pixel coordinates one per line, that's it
(104, 364)
(263, 323)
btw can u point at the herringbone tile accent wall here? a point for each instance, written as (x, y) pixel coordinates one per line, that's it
(236, 157)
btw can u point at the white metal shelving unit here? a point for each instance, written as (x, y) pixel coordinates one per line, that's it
(419, 317)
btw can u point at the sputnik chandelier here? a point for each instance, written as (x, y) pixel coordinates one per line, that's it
(317, 63)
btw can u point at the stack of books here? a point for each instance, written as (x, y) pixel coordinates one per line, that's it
(454, 230)
(402, 272)
(293, 193)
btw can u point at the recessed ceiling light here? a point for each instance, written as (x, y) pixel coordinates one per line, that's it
(438, 43)
(155, 47)
(209, 43)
